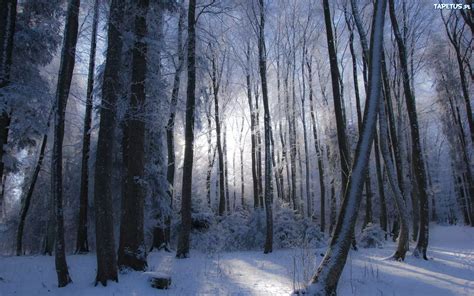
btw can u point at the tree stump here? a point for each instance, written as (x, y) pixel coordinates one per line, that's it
(160, 281)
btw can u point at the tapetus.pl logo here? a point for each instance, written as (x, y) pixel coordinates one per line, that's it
(452, 6)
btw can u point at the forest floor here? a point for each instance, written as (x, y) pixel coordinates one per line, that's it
(450, 271)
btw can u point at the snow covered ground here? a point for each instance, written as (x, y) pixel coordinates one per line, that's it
(450, 271)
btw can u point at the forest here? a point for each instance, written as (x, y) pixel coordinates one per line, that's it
(236, 147)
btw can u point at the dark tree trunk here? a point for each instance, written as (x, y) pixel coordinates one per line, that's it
(7, 31)
(418, 162)
(25, 206)
(242, 177)
(132, 249)
(341, 128)
(392, 126)
(220, 150)
(309, 202)
(368, 183)
(324, 282)
(161, 235)
(104, 224)
(322, 188)
(262, 65)
(82, 242)
(403, 241)
(183, 239)
(68, 57)
(258, 157)
(383, 206)
(226, 172)
(211, 155)
(253, 138)
(455, 37)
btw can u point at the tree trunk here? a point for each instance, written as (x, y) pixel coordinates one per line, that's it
(324, 282)
(82, 242)
(309, 203)
(455, 38)
(104, 224)
(418, 162)
(220, 150)
(392, 126)
(161, 235)
(68, 56)
(383, 206)
(262, 65)
(403, 241)
(242, 177)
(25, 206)
(253, 132)
(183, 239)
(341, 128)
(226, 171)
(132, 249)
(322, 189)
(7, 31)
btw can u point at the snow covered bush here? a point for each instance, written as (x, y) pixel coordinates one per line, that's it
(242, 230)
(372, 236)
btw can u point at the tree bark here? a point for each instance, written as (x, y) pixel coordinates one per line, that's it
(82, 242)
(104, 224)
(220, 151)
(341, 128)
(161, 235)
(418, 162)
(322, 188)
(309, 202)
(455, 38)
(403, 241)
(68, 56)
(262, 65)
(132, 249)
(183, 239)
(7, 23)
(242, 177)
(253, 138)
(324, 282)
(25, 206)
(226, 171)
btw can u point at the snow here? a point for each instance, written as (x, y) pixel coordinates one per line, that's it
(450, 271)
